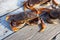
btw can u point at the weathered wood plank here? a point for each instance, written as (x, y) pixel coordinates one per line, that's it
(9, 5)
(24, 33)
(58, 37)
(47, 35)
(30, 33)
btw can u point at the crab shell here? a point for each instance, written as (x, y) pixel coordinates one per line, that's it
(21, 18)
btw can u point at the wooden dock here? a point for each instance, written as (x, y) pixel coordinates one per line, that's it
(31, 33)
(28, 32)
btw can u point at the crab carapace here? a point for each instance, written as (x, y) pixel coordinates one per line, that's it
(21, 18)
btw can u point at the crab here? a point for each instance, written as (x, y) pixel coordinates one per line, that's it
(35, 4)
(29, 18)
(33, 17)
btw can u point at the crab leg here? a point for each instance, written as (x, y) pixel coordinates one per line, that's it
(42, 25)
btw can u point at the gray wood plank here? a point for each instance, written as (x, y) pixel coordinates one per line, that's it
(58, 37)
(30, 33)
(7, 6)
(24, 33)
(47, 35)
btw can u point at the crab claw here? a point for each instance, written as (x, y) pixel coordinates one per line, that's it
(15, 29)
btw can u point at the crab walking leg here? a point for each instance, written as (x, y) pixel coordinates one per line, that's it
(40, 22)
(42, 25)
